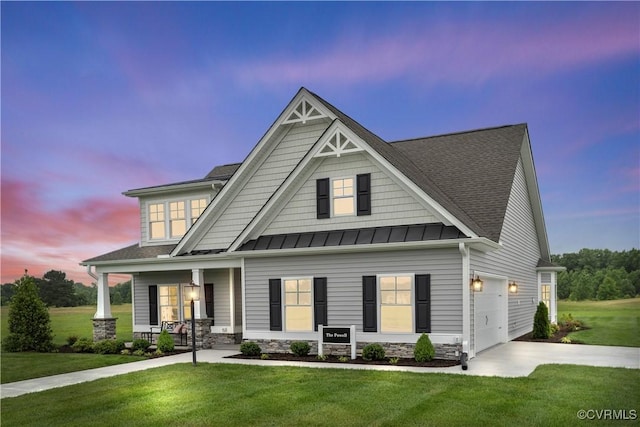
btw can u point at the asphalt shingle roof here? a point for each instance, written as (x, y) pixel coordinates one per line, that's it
(133, 252)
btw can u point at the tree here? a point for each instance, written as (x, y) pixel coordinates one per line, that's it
(541, 328)
(56, 290)
(6, 293)
(608, 289)
(29, 323)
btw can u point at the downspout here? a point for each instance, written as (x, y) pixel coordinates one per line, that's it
(92, 274)
(466, 302)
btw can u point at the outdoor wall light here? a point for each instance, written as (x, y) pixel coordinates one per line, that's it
(513, 287)
(476, 284)
(194, 294)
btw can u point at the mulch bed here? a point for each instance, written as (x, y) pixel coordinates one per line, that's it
(435, 363)
(555, 338)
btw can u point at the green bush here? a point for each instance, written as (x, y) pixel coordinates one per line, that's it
(83, 345)
(71, 340)
(250, 348)
(300, 348)
(373, 351)
(541, 322)
(108, 346)
(165, 342)
(140, 344)
(139, 353)
(424, 351)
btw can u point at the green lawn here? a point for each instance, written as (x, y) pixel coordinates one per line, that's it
(612, 322)
(233, 395)
(65, 321)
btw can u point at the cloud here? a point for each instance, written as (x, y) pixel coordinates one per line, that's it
(41, 239)
(459, 53)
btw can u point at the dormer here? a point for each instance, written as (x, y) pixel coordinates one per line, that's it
(168, 211)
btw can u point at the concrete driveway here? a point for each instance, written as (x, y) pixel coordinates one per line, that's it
(512, 359)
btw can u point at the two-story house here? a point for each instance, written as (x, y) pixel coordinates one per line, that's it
(325, 223)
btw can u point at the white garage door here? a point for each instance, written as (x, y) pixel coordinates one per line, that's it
(489, 314)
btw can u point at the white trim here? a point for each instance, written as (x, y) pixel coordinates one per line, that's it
(337, 148)
(466, 299)
(332, 197)
(222, 200)
(283, 295)
(243, 295)
(504, 309)
(413, 304)
(189, 222)
(232, 305)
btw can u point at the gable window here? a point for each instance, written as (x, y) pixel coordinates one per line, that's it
(172, 219)
(343, 199)
(178, 222)
(298, 313)
(156, 221)
(396, 311)
(197, 207)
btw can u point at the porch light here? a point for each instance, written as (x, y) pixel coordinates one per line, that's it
(513, 288)
(476, 284)
(194, 294)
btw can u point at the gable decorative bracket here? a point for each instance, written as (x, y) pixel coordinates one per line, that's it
(337, 145)
(303, 112)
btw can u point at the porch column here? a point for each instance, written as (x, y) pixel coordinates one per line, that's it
(202, 323)
(104, 325)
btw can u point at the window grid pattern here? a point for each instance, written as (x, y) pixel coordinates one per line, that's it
(343, 196)
(396, 311)
(298, 304)
(197, 207)
(178, 222)
(156, 220)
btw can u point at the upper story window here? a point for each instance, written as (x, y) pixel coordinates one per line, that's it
(343, 198)
(171, 220)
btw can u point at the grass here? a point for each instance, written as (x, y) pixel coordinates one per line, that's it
(232, 395)
(614, 322)
(65, 321)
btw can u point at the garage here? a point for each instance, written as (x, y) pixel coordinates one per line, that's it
(490, 313)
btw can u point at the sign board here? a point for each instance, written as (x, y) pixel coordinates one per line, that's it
(334, 335)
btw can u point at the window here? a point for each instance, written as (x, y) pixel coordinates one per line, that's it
(178, 222)
(186, 303)
(156, 220)
(342, 197)
(546, 295)
(172, 219)
(169, 308)
(197, 207)
(396, 312)
(298, 305)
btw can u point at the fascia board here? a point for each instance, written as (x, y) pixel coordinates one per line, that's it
(556, 268)
(231, 189)
(167, 264)
(172, 188)
(526, 155)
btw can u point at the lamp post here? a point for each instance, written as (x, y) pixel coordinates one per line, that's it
(194, 294)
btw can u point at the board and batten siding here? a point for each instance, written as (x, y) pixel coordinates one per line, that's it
(517, 259)
(262, 184)
(344, 283)
(390, 204)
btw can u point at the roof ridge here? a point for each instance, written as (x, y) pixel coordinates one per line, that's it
(457, 133)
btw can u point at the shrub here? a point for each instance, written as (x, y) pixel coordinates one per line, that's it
(394, 360)
(373, 351)
(541, 322)
(139, 353)
(140, 344)
(165, 342)
(343, 359)
(568, 323)
(108, 346)
(29, 322)
(300, 348)
(424, 351)
(565, 340)
(125, 352)
(83, 345)
(264, 356)
(71, 340)
(321, 357)
(249, 348)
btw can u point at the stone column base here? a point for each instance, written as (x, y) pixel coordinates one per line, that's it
(203, 330)
(104, 329)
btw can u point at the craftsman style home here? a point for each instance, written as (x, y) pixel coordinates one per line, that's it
(325, 223)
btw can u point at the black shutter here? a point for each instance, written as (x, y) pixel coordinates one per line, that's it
(153, 304)
(320, 301)
(275, 305)
(364, 194)
(423, 303)
(208, 298)
(323, 206)
(370, 304)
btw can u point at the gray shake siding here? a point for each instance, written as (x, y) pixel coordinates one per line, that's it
(390, 204)
(344, 283)
(262, 184)
(517, 259)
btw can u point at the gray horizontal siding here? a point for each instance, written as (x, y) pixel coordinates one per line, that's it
(141, 290)
(262, 184)
(221, 296)
(390, 204)
(518, 257)
(344, 283)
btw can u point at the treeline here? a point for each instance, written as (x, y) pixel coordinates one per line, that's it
(599, 274)
(57, 291)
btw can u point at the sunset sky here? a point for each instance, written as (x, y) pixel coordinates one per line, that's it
(100, 98)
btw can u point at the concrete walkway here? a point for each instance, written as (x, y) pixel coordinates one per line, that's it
(512, 359)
